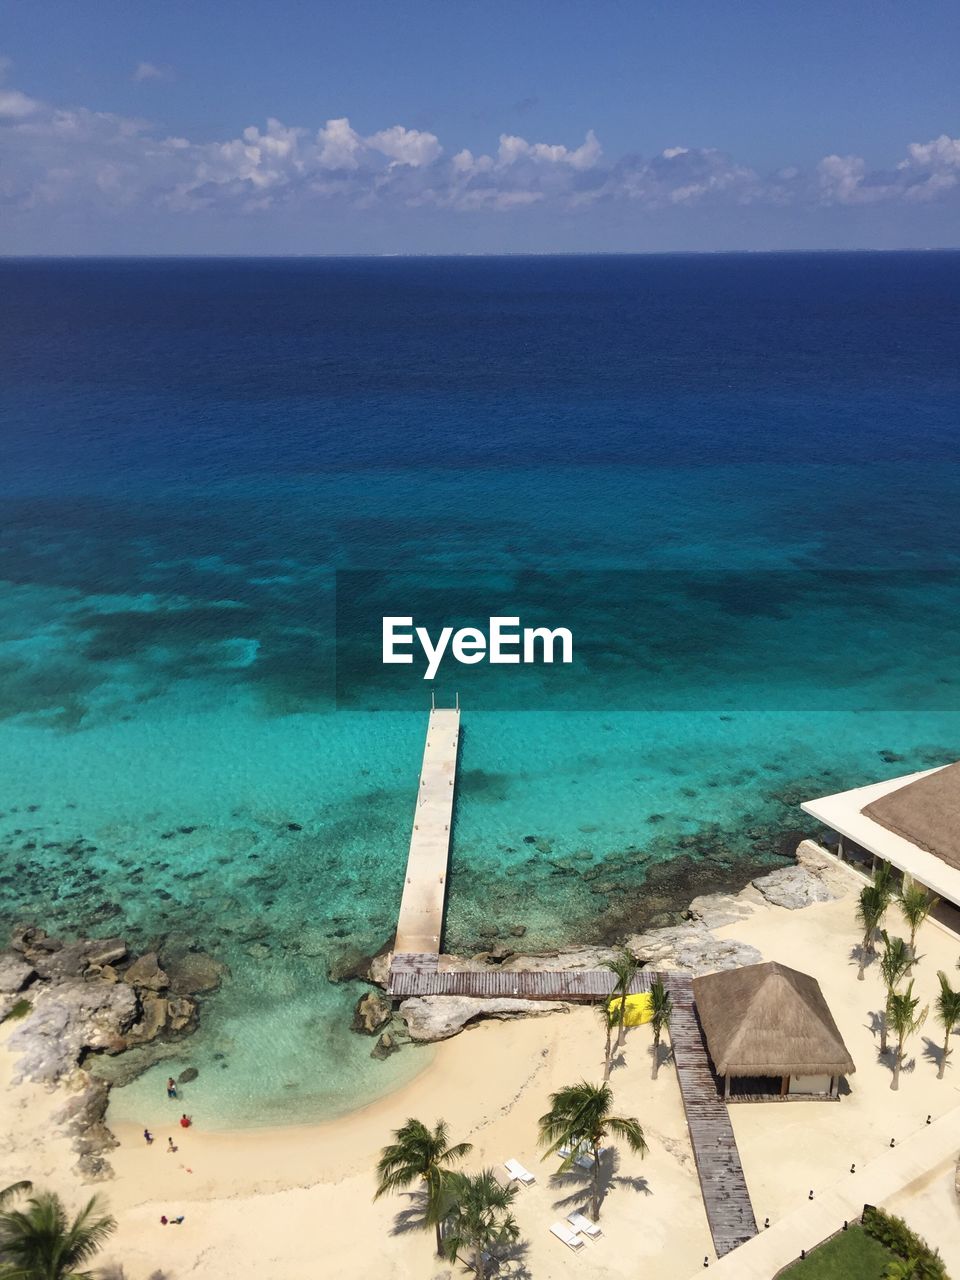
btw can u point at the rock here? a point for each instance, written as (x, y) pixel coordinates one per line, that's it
(93, 1169)
(187, 1076)
(16, 974)
(153, 1019)
(102, 951)
(192, 973)
(793, 888)
(67, 1021)
(714, 910)
(817, 861)
(440, 1017)
(691, 948)
(82, 1119)
(146, 973)
(182, 1013)
(385, 1045)
(133, 1062)
(371, 1013)
(517, 930)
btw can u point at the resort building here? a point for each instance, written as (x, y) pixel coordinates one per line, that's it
(912, 823)
(770, 1033)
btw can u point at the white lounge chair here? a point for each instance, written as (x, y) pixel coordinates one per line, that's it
(518, 1173)
(566, 1236)
(586, 1226)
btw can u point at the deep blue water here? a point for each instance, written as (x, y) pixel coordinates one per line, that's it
(738, 473)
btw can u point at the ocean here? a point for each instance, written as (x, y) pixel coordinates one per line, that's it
(737, 474)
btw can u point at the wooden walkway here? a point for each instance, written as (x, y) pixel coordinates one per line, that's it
(416, 970)
(722, 1184)
(410, 977)
(420, 923)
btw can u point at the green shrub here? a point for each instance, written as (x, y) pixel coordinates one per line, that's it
(19, 1010)
(896, 1236)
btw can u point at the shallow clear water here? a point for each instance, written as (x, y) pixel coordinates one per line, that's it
(191, 451)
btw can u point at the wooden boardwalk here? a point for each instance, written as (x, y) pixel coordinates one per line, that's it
(722, 1184)
(416, 970)
(410, 977)
(420, 923)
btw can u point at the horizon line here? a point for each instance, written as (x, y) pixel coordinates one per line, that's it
(374, 256)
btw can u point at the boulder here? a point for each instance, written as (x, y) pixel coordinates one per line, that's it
(188, 1075)
(82, 1119)
(714, 910)
(133, 1062)
(16, 974)
(440, 1017)
(182, 1014)
(153, 1019)
(386, 1044)
(146, 973)
(101, 951)
(793, 888)
(67, 1021)
(691, 948)
(192, 973)
(371, 1013)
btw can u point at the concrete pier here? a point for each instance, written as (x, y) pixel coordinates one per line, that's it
(420, 923)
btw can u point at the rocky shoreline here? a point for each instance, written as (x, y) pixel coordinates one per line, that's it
(89, 1014)
(689, 946)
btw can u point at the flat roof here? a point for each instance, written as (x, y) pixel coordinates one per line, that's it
(842, 813)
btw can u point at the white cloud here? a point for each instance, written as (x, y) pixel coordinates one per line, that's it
(145, 71)
(14, 105)
(72, 156)
(340, 145)
(406, 146)
(512, 149)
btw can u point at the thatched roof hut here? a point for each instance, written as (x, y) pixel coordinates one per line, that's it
(767, 1020)
(926, 812)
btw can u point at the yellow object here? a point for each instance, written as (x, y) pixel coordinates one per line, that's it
(639, 1009)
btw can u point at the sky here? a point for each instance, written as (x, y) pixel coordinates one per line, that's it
(477, 126)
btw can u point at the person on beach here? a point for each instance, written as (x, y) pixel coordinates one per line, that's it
(176, 1221)
(185, 1122)
(163, 1219)
(171, 1087)
(148, 1137)
(170, 1147)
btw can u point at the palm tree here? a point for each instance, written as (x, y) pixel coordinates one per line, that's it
(894, 965)
(579, 1116)
(610, 1018)
(40, 1243)
(624, 967)
(15, 1189)
(662, 1007)
(916, 904)
(478, 1217)
(948, 1012)
(902, 1269)
(905, 1020)
(871, 908)
(417, 1154)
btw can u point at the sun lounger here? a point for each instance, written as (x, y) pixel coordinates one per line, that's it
(518, 1173)
(586, 1226)
(567, 1236)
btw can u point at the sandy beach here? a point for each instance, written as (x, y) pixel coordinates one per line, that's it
(284, 1202)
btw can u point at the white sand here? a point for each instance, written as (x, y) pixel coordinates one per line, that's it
(296, 1202)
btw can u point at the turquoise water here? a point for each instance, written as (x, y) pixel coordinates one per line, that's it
(181, 486)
